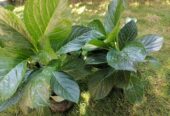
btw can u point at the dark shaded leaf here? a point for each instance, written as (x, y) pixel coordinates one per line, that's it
(135, 91)
(101, 83)
(127, 33)
(121, 79)
(76, 67)
(98, 58)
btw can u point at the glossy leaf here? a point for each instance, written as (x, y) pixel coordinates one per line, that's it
(127, 33)
(135, 91)
(48, 19)
(98, 26)
(17, 96)
(98, 58)
(127, 58)
(79, 41)
(101, 83)
(152, 43)
(11, 77)
(13, 34)
(113, 14)
(37, 91)
(63, 86)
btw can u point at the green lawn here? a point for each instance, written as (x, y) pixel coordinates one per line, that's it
(154, 19)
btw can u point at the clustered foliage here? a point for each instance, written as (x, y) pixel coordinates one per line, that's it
(44, 54)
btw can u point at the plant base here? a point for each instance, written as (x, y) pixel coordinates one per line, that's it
(60, 106)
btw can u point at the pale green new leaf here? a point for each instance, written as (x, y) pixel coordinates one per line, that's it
(101, 83)
(63, 86)
(13, 34)
(49, 19)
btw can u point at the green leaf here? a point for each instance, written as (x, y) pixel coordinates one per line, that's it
(10, 102)
(13, 34)
(153, 61)
(17, 96)
(63, 86)
(98, 43)
(11, 76)
(48, 19)
(152, 43)
(135, 91)
(80, 40)
(98, 26)
(76, 68)
(98, 58)
(127, 33)
(101, 83)
(113, 14)
(127, 58)
(9, 7)
(121, 79)
(37, 91)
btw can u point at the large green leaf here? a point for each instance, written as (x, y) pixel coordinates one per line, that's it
(48, 19)
(127, 58)
(113, 14)
(135, 91)
(11, 76)
(98, 26)
(127, 33)
(63, 86)
(121, 79)
(37, 91)
(13, 34)
(17, 96)
(152, 43)
(80, 40)
(76, 67)
(101, 83)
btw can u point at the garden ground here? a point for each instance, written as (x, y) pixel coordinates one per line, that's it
(152, 18)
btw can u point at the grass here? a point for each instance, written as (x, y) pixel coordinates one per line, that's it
(153, 18)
